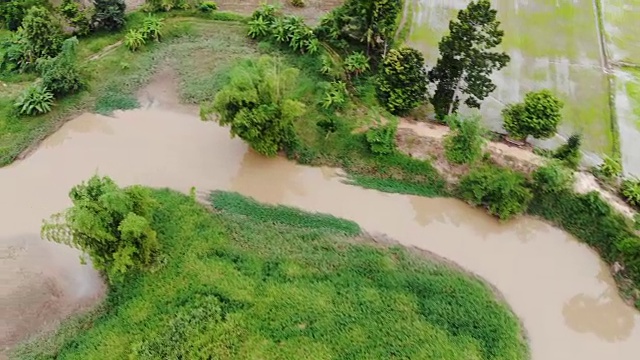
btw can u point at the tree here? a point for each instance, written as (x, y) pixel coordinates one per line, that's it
(110, 224)
(108, 14)
(553, 177)
(42, 34)
(466, 62)
(402, 80)
(464, 144)
(369, 22)
(502, 191)
(12, 12)
(538, 116)
(569, 153)
(62, 74)
(257, 104)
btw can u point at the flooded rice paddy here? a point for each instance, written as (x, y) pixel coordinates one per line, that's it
(560, 289)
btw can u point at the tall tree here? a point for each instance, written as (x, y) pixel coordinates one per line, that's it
(466, 62)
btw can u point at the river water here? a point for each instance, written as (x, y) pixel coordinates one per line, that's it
(563, 293)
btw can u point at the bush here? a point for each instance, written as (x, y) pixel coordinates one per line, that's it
(152, 28)
(552, 177)
(15, 55)
(610, 169)
(42, 34)
(35, 100)
(382, 139)
(631, 191)
(12, 12)
(77, 18)
(335, 96)
(110, 224)
(465, 142)
(297, 3)
(108, 14)
(402, 80)
(167, 5)
(62, 74)
(258, 106)
(134, 39)
(538, 116)
(502, 191)
(591, 219)
(569, 153)
(356, 63)
(208, 6)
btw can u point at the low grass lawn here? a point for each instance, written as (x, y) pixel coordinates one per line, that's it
(251, 281)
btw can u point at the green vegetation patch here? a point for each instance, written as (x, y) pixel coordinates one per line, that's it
(254, 281)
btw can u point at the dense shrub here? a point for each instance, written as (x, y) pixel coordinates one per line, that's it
(34, 100)
(609, 169)
(12, 12)
(552, 177)
(78, 18)
(335, 95)
(464, 144)
(62, 74)
(356, 63)
(297, 3)
(257, 104)
(134, 39)
(42, 34)
(208, 6)
(15, 55)
(112, 225)
(152, 28)
(108, 14)
(502, 191)
(538, 116)
(402, 80)
(168, 5)
(592, 219)
(631, 191)
(569, 153)
(267, 23)
(382, 139)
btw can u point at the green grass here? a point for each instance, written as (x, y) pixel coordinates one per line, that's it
(256, 281)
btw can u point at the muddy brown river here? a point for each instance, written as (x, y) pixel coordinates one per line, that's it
(563, 293)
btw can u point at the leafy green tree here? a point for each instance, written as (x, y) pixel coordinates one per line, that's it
(553, 177)
(369, 22)
(62, 74)
(569, 153)
(112, 225)
(539, 116)
(466, 61)
(402, 80)
(79, 19)
(258, 106)
(108, 14)
(12, 12)
(502, 191)
(465, 143)
(42, 34)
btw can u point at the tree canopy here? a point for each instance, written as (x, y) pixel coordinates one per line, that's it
(257, 104)
(402, 80)
(110, 224)
(539, 116)
(466, 61)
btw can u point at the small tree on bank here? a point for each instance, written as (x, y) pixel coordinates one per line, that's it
(569, 153)
(402, 80)
(110, 224)
(538, 116)
(257, 105)
(466, 62)
(108, 14)
(62, 74)
(42, 34)
(464, 144)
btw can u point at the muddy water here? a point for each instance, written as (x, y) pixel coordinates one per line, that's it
(563, 293)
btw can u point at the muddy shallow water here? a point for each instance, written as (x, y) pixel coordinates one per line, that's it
(562, 292)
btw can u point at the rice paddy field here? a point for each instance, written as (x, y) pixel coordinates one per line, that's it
(553, 44)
